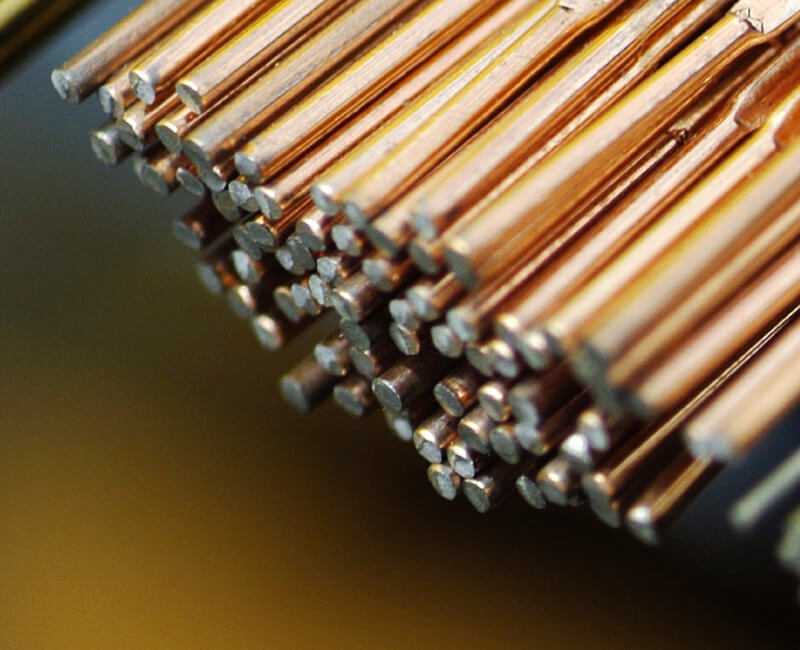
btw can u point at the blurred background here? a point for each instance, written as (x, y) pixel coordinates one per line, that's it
(155, 491)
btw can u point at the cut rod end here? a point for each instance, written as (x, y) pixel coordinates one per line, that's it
(142, 86)
(65, 86)
(189, 94)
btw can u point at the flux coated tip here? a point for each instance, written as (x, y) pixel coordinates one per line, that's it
(209, 279)
(285, 303)
(459, 321)
(244, 267)
(578, 452)
(311, 234)
(448, 399)
(456, 255)
(349, 402)
(423, 224)
(214, 181)
(261, 235)
(345, 305)
(108, 102)
(194, 151)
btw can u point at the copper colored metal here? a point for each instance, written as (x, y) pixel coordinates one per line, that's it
(154, 77)
(696, 274)
(597, 247)
(212, 143)
(83, 73)
(284, 25)
(620, 57)
(562, 329)
(668, 495)
(746, 410)
(294, 183)
(315, 117)
(534, 400)
(330, 190)
(137, 124)
(744, 318)
(485, 84)
(555, 188)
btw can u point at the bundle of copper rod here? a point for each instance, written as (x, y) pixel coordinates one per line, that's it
(556, 241)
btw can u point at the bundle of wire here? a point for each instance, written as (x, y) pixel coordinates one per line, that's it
(557, 241)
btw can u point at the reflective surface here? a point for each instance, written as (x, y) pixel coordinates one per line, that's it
(157, 493)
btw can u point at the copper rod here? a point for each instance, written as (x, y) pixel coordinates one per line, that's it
(77, 78)
(283, 25)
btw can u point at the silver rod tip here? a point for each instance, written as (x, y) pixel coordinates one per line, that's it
(189, 94)
(322, 196)
(387, 394)
(64, 86)
(476, 491)
(143, 87)
(268, 332)
(530, 492)
(444, 480)
(190, 182)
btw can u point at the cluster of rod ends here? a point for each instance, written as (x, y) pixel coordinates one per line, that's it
(558, 243)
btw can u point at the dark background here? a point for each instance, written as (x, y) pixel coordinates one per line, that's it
(155, 492)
